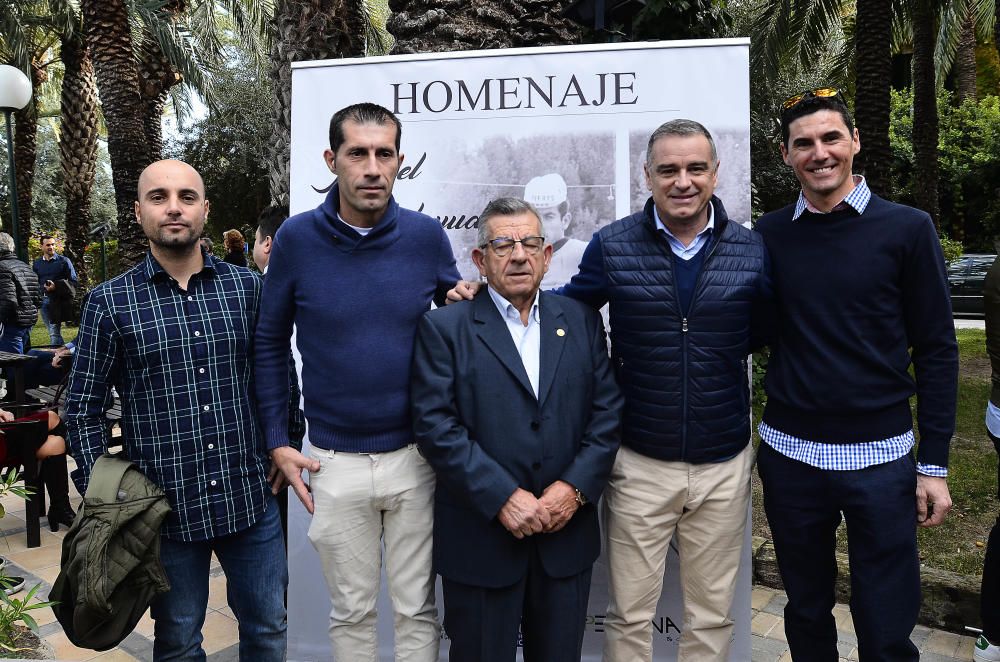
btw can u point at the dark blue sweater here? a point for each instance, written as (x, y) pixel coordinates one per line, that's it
(355, 302)
(858, 297)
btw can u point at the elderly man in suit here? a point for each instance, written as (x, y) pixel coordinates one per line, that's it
(516, 409)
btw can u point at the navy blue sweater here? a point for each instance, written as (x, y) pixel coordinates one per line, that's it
(355, 302)
(858, 297)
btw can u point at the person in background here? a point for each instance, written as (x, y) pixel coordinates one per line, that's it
(987, 648)
(235, 248)
(57, 278)
(268, 222)
(20, 298)
(206, 245)
(549, 195)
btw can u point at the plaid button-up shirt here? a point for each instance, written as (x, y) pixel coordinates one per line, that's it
(181, 361)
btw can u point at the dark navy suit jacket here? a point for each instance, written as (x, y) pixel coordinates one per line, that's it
(480, 426)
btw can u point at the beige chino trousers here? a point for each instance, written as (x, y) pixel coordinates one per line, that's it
(647, 503)
(362, 500)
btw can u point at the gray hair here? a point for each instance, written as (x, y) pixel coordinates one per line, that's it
(680, 127)
(6, 242)
(505, 207)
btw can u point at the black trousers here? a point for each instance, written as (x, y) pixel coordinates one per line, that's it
(990, 593)
(804, 506)
(482, 623)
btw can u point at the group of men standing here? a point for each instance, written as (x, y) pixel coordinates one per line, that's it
(476, 440)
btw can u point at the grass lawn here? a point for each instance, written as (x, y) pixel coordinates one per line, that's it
(40, 335)
(958, 544)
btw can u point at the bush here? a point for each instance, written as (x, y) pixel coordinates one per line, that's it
(969, 162)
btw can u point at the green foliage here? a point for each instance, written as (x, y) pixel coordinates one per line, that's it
(48, 203)
(952, 249)
(229, 148)
(92, 258)
(969, 160)
(14, 610)
(680, 19)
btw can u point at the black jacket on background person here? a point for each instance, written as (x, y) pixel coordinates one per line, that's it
(20, 296)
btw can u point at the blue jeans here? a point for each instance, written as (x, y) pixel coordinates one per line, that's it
(12, 338)
(55, 330)
(256, 577)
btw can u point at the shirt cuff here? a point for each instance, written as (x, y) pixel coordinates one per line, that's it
(932, 470)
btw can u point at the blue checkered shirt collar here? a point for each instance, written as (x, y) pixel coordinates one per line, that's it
(153, 270)
(857, 199)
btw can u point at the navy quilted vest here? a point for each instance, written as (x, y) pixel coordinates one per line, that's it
(684, 373)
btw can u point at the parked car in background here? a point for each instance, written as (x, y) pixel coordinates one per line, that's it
(965, 279)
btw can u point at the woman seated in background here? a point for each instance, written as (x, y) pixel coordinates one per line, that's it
(234, 243)
(52, 456)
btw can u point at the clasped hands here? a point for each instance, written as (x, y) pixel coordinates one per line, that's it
(524, 515)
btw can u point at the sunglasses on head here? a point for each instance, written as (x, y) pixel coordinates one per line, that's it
(818, 93)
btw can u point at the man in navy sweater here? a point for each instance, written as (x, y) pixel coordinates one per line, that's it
(372, 270)
(861, 293)
(52, 268)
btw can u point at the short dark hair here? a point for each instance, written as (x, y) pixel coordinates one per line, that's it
(683, 128)
(41, 240)
(814, 104)
(362, 113)
(270, 219)
(504, 207)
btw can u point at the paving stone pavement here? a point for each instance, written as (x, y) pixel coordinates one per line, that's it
(41, 565)
(767, 631)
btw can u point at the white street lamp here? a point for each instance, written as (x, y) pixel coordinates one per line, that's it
(15, 93)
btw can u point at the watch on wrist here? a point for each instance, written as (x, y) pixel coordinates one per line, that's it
(581, 498)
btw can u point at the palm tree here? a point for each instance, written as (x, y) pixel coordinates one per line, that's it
(872, 90)
(78, 145)
(26, 37)
(109, 39)
(925, 115)
(422, 26)
(305, 30)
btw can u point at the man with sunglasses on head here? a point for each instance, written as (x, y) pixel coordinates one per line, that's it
(860, 293)
(516, 408)
(682, 280)
(373, 270)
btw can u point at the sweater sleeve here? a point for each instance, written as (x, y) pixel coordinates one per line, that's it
(272, 343)
(447, 271)
(590, 284)
(930, 331)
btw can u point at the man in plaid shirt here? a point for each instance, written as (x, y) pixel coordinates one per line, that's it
(174, 335)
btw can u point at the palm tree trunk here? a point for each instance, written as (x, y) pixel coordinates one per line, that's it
(871, 105)
(965, 58)
(996, 26)
(78, 146)
(925, 116)
(110, 43)
(25, 148)
(305, 30)
(422, 26)
(156, 77)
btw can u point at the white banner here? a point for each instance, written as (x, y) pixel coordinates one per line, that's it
(479, 125)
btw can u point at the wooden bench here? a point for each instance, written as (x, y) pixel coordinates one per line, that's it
(48, 394)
